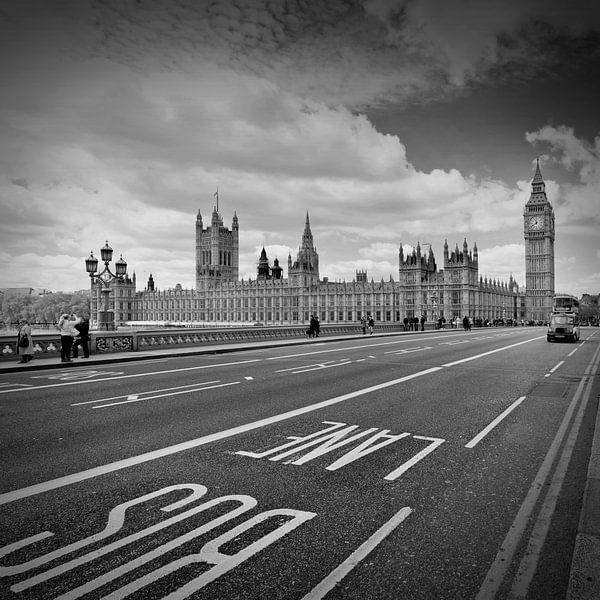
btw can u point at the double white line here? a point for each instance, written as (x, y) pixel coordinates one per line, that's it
(174, 391)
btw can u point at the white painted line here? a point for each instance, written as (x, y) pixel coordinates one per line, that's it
(134, 375)
(134, 398)
(573, 351)
(304, 367)
(53, 484)
(504, 558)
(320, 367)
(408, 350)
(179, 387)
(327, 584)
(562, 362)
(476, 356)
(16, 385)
(249, 378)
(493, 424)
(435, 442)
(360, 347)
(539, 533)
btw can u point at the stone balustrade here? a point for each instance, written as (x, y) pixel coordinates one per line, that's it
(130, 340)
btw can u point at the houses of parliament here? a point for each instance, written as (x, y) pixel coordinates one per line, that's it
(422, 288)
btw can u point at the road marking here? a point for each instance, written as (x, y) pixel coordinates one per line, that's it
(360, 347)
(319, 367)
(529, 562)
(476, 356)
(573, 351)
(16, 385)
(134, 398)
(75, 374)
(59, 482)
(503, 561)
(408, 350)
(179, 387)
(435, 442)
(327, 584)
(562, 362)
(493, 424)
(134, 375)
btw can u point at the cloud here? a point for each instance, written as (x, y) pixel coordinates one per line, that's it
(578, 201)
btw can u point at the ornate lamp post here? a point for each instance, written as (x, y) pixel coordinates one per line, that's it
(104, 280)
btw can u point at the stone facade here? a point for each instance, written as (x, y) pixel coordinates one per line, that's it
(538, 221)
(422, 289)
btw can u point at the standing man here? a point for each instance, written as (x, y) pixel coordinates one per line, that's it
(363, 324)
(67, 332)
(422, 322)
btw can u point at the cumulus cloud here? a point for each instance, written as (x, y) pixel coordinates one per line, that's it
(579, 201)
(119, 121)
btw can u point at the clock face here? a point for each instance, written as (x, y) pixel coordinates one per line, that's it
(536, 223)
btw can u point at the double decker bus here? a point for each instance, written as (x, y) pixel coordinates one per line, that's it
(565, 303)
(564, 322)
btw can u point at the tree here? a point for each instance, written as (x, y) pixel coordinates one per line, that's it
(44, 309)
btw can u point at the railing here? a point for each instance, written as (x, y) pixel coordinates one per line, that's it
(129, 340)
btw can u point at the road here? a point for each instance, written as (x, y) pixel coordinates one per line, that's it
(415, 466)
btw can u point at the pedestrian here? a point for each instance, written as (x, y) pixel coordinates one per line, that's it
(422, 322)
(82, 325)
(466, 323)
(371, 323)
(317, 325)
(312, 326)
(67, 332)
(363, 324)
(405, 323)
(24, 341)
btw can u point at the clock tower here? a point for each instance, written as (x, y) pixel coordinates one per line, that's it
(538, 218)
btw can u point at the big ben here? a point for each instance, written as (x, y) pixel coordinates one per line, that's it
(538, 219)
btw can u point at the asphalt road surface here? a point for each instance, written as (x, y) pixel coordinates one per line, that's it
(422, 466)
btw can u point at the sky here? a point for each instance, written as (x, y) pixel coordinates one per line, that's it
(389, 122)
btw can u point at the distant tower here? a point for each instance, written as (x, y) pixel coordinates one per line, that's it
(150, 287)
(217, 250)
(305, 270)
(276, 271)
(263, 270)
(361, 276)
(538, 220)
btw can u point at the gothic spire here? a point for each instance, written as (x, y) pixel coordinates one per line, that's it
(537, 177)
(307, 237)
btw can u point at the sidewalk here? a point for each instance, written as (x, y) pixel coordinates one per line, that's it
(584, 582)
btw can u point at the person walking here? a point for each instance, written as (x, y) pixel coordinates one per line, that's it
(371, 324)
(24, 341)
(405, 321)
(363, 324)
(67, 332)
(312, 327)
(82, 325)
(423, 322)
(317, 325)
(466, 323)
